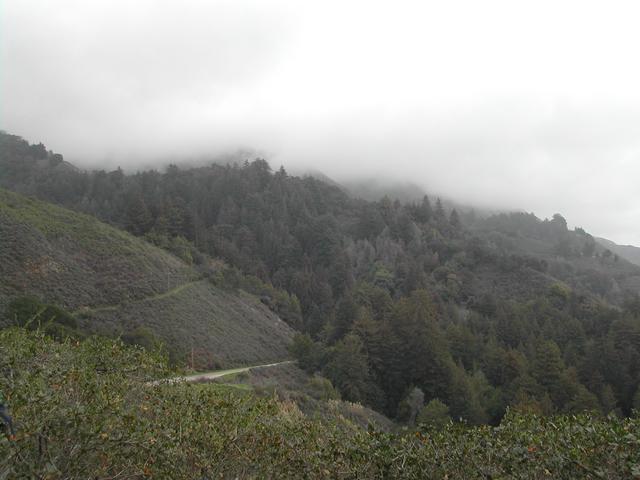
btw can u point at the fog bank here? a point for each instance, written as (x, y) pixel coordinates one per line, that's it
(523, 105)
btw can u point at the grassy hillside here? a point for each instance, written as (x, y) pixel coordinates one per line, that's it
(223, 327)
(116, 283)
(74, 260)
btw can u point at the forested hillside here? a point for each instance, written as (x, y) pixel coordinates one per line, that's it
(409, 308)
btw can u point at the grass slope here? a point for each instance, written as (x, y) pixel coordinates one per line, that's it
(224, 328)
(74, 260)
(117, 282)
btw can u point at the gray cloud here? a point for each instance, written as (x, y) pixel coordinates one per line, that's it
(500, 106)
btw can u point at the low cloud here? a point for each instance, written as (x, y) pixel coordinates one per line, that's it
(494, 105)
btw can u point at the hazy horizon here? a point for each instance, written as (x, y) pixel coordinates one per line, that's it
(531, 106)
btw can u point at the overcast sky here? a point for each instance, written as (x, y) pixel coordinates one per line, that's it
(530, 105)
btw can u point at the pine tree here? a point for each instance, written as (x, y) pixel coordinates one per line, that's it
(348, 370)
(439, 215)
(425, 211)
(346, 314)
(549, 371)
(454, 221)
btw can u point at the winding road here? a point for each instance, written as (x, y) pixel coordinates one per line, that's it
(198, 377)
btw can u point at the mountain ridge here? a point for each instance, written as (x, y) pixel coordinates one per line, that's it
(398, 305)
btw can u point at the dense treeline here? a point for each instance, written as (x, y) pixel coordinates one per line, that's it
(414, 309)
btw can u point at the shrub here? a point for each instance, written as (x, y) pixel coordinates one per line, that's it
(87, 409)
(434, 414)
(322, 389)
(31, 313)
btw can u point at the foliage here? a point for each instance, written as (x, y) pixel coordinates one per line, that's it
(434, 414)
(322, 388)
(86, 410)
(410, 406)
(309, 354)
(31, 313)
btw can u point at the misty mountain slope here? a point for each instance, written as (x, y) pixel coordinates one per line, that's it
(395, 301)
(79, 263)
(571, 256)
(628, 252)
(267, 223)
(374, 189)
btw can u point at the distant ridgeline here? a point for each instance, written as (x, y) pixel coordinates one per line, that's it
(403, 306)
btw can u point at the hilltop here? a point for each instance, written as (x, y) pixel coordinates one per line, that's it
(116, 283)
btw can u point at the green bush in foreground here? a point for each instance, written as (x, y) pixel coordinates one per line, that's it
(86, 410)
